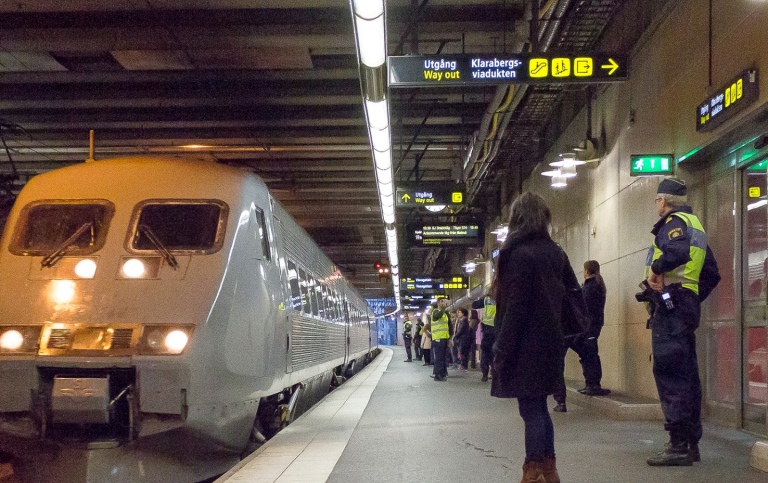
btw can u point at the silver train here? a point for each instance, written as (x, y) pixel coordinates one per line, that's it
(159, 318)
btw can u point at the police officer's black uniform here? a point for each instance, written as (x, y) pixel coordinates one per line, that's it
(408, 339)
(680, 251)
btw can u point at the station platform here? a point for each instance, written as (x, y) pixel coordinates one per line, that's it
(393, 423)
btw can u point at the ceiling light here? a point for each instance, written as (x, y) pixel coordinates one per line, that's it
(470, 266)
(568, 171)
(554, 172)
(371, 40)
(386, 189)
(435, 208)
(380, 139)
(383, 159)
(378, 115)
(566, 159)
(558, 182)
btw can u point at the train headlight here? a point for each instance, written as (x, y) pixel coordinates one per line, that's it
(133, 268)
(63, 291)
(19, 339)
(11, 340)
(85, 268)
(176, 341)
(164, 340)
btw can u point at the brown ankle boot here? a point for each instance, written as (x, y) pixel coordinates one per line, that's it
(532, 472)
(549, 470)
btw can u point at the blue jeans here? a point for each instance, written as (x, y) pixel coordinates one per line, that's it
(539, 432)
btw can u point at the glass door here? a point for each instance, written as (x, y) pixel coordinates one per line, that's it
(755, 297)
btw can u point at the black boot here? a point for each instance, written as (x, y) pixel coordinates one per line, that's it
(675, 454)
(693, 451)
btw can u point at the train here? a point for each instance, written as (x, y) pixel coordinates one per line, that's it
(160, 318)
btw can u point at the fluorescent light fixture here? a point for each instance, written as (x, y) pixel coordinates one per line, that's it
(380, 139)
(388, 214)
(756, 204)
(384, 176)
(383, 159)
(378, 114)
(386, 189)
(368, 8)
(558, 182)
(371, 41)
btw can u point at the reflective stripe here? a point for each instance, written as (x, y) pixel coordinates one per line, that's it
(489, 311)
(440, 328)
(687, 274)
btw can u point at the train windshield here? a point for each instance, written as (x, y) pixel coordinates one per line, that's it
(76, 227)
(179, 226)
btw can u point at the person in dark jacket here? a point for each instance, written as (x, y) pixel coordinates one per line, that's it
(585, 344)
(533, 279)
(462, 338)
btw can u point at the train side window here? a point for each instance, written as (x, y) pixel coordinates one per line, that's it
(262, 235)
(315, 299)
(304, 285)
(293, 281)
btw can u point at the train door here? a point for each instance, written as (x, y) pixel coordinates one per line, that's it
(754, 204)
(289, 289)
(268, 271)
(347, 332)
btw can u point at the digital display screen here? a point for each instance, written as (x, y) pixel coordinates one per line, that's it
(429, 284)
(445, 234)
(727, 101)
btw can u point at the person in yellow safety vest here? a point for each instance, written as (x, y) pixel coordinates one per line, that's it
(441, 334)
(408, 337)
(681, 271)
(489, 334)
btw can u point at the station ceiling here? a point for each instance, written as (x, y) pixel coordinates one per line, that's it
(274, 86)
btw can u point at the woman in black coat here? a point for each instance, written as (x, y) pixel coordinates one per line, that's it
(533, 276)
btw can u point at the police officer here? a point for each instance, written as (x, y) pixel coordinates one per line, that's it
(682, 271)
(488, 333)
(417, 334)
(441, 334)
(408, 337)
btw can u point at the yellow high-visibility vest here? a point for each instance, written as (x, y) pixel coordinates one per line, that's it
(688, 273)
(440, 328)
(489, 311)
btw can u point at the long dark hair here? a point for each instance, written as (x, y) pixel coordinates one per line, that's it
(592, 267)
(528, 215)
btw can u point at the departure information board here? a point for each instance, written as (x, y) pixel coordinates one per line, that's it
(452, 70)
(445, 234)
(429, 284)
(730, 99)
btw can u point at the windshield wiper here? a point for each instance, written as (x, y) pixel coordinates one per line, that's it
(168, 256)
(56, 255)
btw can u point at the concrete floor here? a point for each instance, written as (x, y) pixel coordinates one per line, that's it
(416, 429)
(393, 423)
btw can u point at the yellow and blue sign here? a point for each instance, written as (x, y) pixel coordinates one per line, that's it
(451, 70)
(727, 101)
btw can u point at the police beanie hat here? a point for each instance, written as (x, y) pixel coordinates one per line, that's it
(673, 186)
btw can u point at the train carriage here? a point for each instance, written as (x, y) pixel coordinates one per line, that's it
(162, 316)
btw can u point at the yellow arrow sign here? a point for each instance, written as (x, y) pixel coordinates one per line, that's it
(611, 66)
(406, 197)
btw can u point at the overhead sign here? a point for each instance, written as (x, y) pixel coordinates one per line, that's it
(429, 284)
(417, 298)
(650, 164)
(429, 194)
(452, 70)
(445, 234)
(728, 101)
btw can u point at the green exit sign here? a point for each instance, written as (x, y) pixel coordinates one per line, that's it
(650, 164)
